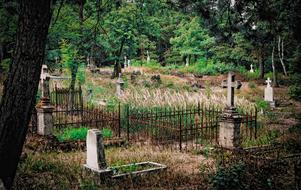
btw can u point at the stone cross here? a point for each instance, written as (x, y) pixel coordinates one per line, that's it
(44, 81)
(230, 84)
(269, 93)
(251, 70)
(268, 81)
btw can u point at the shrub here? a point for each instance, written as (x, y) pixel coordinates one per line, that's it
(262, 105)
(107, 133)
(231, 177)
(252, 76)
(71, 134)
(294, 92)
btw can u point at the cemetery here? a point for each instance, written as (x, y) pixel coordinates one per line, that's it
(150, 95)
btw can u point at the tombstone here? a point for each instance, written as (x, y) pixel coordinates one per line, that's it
(96, 159)
(187, 61)
(269, 93)
(251, 70)
(119, 86)
(129, 63)
(125, 62)
(229, 125)
(148, 57)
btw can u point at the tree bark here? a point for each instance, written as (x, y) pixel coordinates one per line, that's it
(261, 64)
(281, 54)
(275, 83)
(21, 84)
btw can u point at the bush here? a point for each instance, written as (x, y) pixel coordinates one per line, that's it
(252, 76)
(231, 177)
(263, 105)
(71, 134)
(294, 92)
(78, 134)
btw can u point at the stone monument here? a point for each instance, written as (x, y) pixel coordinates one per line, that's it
(125, 62)
(269, 93)
(96, 159)
(44, 109)
(148, 57)
(119, 86)
(251, 70)
(229, 129)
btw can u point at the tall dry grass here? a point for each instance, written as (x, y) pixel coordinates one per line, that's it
(145, 97)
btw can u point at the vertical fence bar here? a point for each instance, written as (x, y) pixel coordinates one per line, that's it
(119, 121)
(180, 132)
(128, 122)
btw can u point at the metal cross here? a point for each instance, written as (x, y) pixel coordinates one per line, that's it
(230, 84)
(268, 82)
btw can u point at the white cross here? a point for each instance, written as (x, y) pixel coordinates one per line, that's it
(268, 82)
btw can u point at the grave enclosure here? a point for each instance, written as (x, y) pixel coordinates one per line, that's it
(182, 128)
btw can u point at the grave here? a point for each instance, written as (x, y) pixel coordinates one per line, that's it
(97, 166)
(119, 86)
(229, 129)
(251, 70)
(96, 159)
(269, 93)
(44, 109)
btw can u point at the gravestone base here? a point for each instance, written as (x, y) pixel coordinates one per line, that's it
(229, 129)
(101, 176)
(272, 104)
(44, 118)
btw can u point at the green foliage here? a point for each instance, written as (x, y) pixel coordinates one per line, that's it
(107, 133)
(71, 134)
(252, 76)
(78, 133)
(263, 105)
(266, 137)
(5, 65)
(252, 85)
(294, 92)
(229, 178)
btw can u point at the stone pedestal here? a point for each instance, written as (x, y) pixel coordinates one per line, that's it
(229, 129)
(44, 117)
(96, 161)
(119, 86)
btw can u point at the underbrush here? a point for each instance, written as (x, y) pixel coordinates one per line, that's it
(78, 133)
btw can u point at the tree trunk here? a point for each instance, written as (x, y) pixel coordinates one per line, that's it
(275, 83)
(261, 64)
(117, 65)
(22, 83)
(281, 54)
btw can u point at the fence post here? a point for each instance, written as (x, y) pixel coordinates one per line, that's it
(180, 132)
(255, 122)
(56, 98)
(119, 121)
(128, 122)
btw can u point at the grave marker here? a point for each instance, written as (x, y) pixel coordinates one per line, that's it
(96, 159)
(119, 86)
(269, 93)
(229, 129)
(251, 70)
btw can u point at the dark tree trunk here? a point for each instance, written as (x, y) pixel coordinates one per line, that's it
(261, 64)
(22, 83)
(117, 65)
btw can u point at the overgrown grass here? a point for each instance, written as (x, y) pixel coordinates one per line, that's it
(78, 133)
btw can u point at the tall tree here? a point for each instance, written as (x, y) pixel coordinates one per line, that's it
(22, 83)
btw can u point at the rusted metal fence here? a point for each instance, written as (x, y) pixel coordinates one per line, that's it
(186, 129)
(65, 98)
(91, 117)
